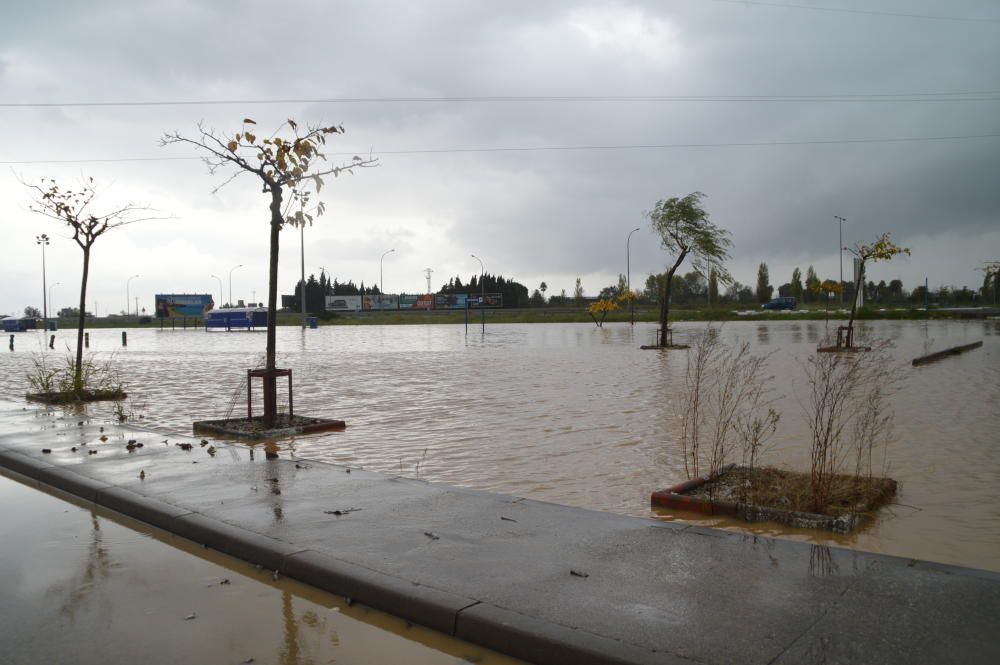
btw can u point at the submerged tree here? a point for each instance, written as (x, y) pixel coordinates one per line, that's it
(601, 308)
(685, 230)
(290, 161)
(74, 208)
(882, 249)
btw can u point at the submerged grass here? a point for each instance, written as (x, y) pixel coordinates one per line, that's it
(790, 490)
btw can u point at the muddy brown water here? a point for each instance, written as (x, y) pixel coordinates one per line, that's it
(578, 415)
(95, 587)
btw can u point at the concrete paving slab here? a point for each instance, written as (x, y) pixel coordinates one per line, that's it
(539, 581)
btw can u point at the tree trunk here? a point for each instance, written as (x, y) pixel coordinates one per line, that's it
(78, 368)
(270, 381)
(665, 306)
(854, 302)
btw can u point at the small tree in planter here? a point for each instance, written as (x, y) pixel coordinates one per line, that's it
(290, 161)
(882, 249)
(601, 308)
(685, 231)
(827, 288)
(75, 208)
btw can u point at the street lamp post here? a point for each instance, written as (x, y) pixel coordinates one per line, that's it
(628, 274)
(302, 292)
(220, 288)
(43, 240)
(127, 305)
(482, 286)
(840, 257)
(381, 286)
(54, 310)
(231, 283)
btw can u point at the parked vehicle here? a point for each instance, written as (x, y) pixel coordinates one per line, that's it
(780, 303)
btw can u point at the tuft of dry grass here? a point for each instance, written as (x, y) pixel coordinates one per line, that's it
(790, 490)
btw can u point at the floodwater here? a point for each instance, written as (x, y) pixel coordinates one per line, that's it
(97, 587)
(578, 415)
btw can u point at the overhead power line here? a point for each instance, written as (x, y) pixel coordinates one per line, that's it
(915, 97)
(648, 146)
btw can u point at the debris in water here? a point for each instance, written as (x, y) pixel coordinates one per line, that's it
(131, 442)
(91, 452)
(577, 573)
(348, 470)
(190, 617)
(211, 451)
(226, 581)
(275, 576)
(104, 437)
(507, 519)
(46, 450)
(185, 446)
(142, 474)
(431, 535)
(73, 449)
(338, 513)
(204, 442)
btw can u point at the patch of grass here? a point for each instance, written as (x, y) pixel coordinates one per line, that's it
(791, 490)
(56, 383)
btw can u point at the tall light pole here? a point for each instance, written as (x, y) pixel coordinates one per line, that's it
(482, 285)
(43, 240)
(220, 288)
(628, 274)
(840, 256)
(54, 311)
(381, 287)
(127, 305)
(302, 293)
(231, 283)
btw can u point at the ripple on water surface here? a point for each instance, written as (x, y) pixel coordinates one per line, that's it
(574, 414)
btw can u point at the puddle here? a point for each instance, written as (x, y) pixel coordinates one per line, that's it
(86, 585)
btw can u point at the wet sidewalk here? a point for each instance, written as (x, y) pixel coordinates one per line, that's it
(542, 582)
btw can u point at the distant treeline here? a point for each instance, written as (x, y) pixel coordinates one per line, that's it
(316, 290)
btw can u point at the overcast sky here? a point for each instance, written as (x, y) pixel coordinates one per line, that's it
(548, 215)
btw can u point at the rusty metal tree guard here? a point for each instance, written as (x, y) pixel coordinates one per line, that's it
(269, 381)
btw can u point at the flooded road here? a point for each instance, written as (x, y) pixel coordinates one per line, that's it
(92, 588)
(577, 415)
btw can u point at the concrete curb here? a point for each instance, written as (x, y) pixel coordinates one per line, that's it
(505, 631)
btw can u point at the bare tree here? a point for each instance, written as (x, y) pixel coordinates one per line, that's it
(848, 413)
(685, 230)
(73, 208)
(294, 164)
(728, 400)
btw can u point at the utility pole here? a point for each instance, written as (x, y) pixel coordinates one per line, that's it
(220, 289)
(381, 284)
(840, 257)
(628, 275)
(43, 240)
(302, 296)
(127, 298)
(231, 283)
(482, 285)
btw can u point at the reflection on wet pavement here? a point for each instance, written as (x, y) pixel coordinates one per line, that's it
(81, 587)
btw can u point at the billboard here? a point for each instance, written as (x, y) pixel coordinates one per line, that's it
(422, 301)
(380, 301)
(343, 303)
(488, 300)
(450, 301)
(170, 305)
